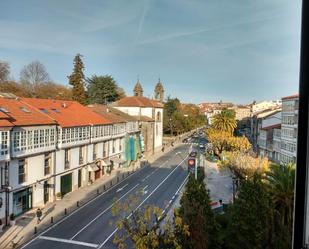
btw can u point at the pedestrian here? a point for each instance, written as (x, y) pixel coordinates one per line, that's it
(39, 214)
(162, 148)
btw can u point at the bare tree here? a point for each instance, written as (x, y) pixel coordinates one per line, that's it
(4, 71)
(34, 73)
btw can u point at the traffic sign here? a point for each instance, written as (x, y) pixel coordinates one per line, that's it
(191, 162)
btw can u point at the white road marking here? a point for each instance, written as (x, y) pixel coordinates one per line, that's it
(107, 239)
(100, 214)
(128, 217)
(120, 189)
(76, 210)
(69, 241)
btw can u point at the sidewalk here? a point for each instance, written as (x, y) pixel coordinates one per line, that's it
(24, 229)
(219, 183)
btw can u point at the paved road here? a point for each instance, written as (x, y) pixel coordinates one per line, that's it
(90, 226)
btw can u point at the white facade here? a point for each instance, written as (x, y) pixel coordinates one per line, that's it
(151, 112)
(289, 130)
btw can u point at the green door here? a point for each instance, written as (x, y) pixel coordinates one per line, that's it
(66, 184)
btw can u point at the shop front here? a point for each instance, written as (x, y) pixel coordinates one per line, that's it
(117, 162)
(22, 201)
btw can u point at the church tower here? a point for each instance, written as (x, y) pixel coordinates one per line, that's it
(159, 92)
(138, 90)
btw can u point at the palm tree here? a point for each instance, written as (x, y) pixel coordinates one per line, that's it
(224, 121)
(280, 180)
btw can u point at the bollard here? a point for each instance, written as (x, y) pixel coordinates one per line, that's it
(51, 220)
(117, 179)
(111, 183)
(104, 188)
(35, 230)
(122, 176)
(65, 211)
(98, 191)
(77, 203)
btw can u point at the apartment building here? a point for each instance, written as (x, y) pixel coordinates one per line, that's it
(289, 129)
(52, 147)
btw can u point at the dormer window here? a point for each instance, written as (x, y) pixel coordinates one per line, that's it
(24, 109)
(4, 110)
(55, 110)
(44, 110)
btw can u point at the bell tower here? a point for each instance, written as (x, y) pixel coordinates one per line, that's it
(159, 91)
(138, 90)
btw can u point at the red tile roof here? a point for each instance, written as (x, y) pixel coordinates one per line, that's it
(291, 96)
(14, 111)
(67, 113)
(105, 113)
(138, 102)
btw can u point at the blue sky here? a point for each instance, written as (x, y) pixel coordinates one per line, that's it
(203, 50)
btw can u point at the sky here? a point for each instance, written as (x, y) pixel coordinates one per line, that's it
(202, 50)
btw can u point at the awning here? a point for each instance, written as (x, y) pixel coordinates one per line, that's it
(117, 160)
(93, 167)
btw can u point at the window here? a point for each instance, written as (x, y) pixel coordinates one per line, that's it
(120, 145)
(47, 164)
(94, 151)
(66, 159)
(24, 109)
(104, 150)
(21, 171)
(44, 110)
(55, 110)
(42, 138)
(114, 144)
(82, 154)
(4, 110)
(4, 143)
(36, 139)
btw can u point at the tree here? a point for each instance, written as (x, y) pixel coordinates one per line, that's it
(121, 93)
(243, 165)
(218, 139)
(224, 121)
(195, 212)
(4, 71)
(280, 182)
(77, 81)
(238, 143)
(103, 89)
(170, 107)
(144, 228)
(250, 225)
(34, 73)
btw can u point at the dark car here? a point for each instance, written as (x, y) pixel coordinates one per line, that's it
(185, 140)
(193, 154)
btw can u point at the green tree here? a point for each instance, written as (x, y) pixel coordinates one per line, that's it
(224, 121)
(102, 89)
(280, 180)
(195, 211)
(251, 216)
(77, 81)
(170, 107)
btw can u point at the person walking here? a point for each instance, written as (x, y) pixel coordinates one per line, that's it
(39, 214)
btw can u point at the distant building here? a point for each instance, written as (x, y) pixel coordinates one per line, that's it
(289, 128)
(149, 113)
(265, 105)
(159, 92)
(268, 141)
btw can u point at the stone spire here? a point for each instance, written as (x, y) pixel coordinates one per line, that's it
(138, 90)
(159, 91)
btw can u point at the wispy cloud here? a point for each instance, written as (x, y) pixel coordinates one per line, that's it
(142, 19)
(203, 30)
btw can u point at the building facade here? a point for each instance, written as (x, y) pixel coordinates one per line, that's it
(289, 129)
(52, 147)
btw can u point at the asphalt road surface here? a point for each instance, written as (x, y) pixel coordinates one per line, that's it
(92, 225)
